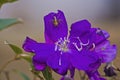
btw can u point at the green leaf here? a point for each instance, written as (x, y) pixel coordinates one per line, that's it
(6, 1)
(15, 48)
(47, 74)
(23, 75)
(4, 23)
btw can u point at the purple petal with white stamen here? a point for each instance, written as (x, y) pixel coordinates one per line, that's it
(85, 49)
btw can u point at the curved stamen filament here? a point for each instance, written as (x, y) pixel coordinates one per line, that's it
(93, 46)
(81, 43)
(79, 49)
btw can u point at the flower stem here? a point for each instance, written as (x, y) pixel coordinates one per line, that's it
(5, 65)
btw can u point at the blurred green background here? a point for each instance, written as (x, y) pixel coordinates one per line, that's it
(101, 13)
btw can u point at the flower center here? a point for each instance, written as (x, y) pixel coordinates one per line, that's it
(62, 45)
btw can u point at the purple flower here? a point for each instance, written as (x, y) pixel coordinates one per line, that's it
(61, 51)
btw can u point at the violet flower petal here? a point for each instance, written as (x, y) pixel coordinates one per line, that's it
(59, 62)
(80, 28)
(41, 51)
(55, 26)
(38, 63)
(99, 36)
(106, 34)
(82, 60)
(29, 44)
(106, 51)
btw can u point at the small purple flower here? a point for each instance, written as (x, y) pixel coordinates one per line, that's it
(60, 51)
(63, 52)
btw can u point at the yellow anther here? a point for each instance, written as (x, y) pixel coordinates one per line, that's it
(55, 21)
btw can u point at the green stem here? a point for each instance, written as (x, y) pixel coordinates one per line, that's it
(5, 65)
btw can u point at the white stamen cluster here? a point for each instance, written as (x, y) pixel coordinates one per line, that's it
(62, 45)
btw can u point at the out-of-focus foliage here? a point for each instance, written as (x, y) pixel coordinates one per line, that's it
(23, 75)
(6, 1)
(19, 53)
(15, 48)
(4, 23)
